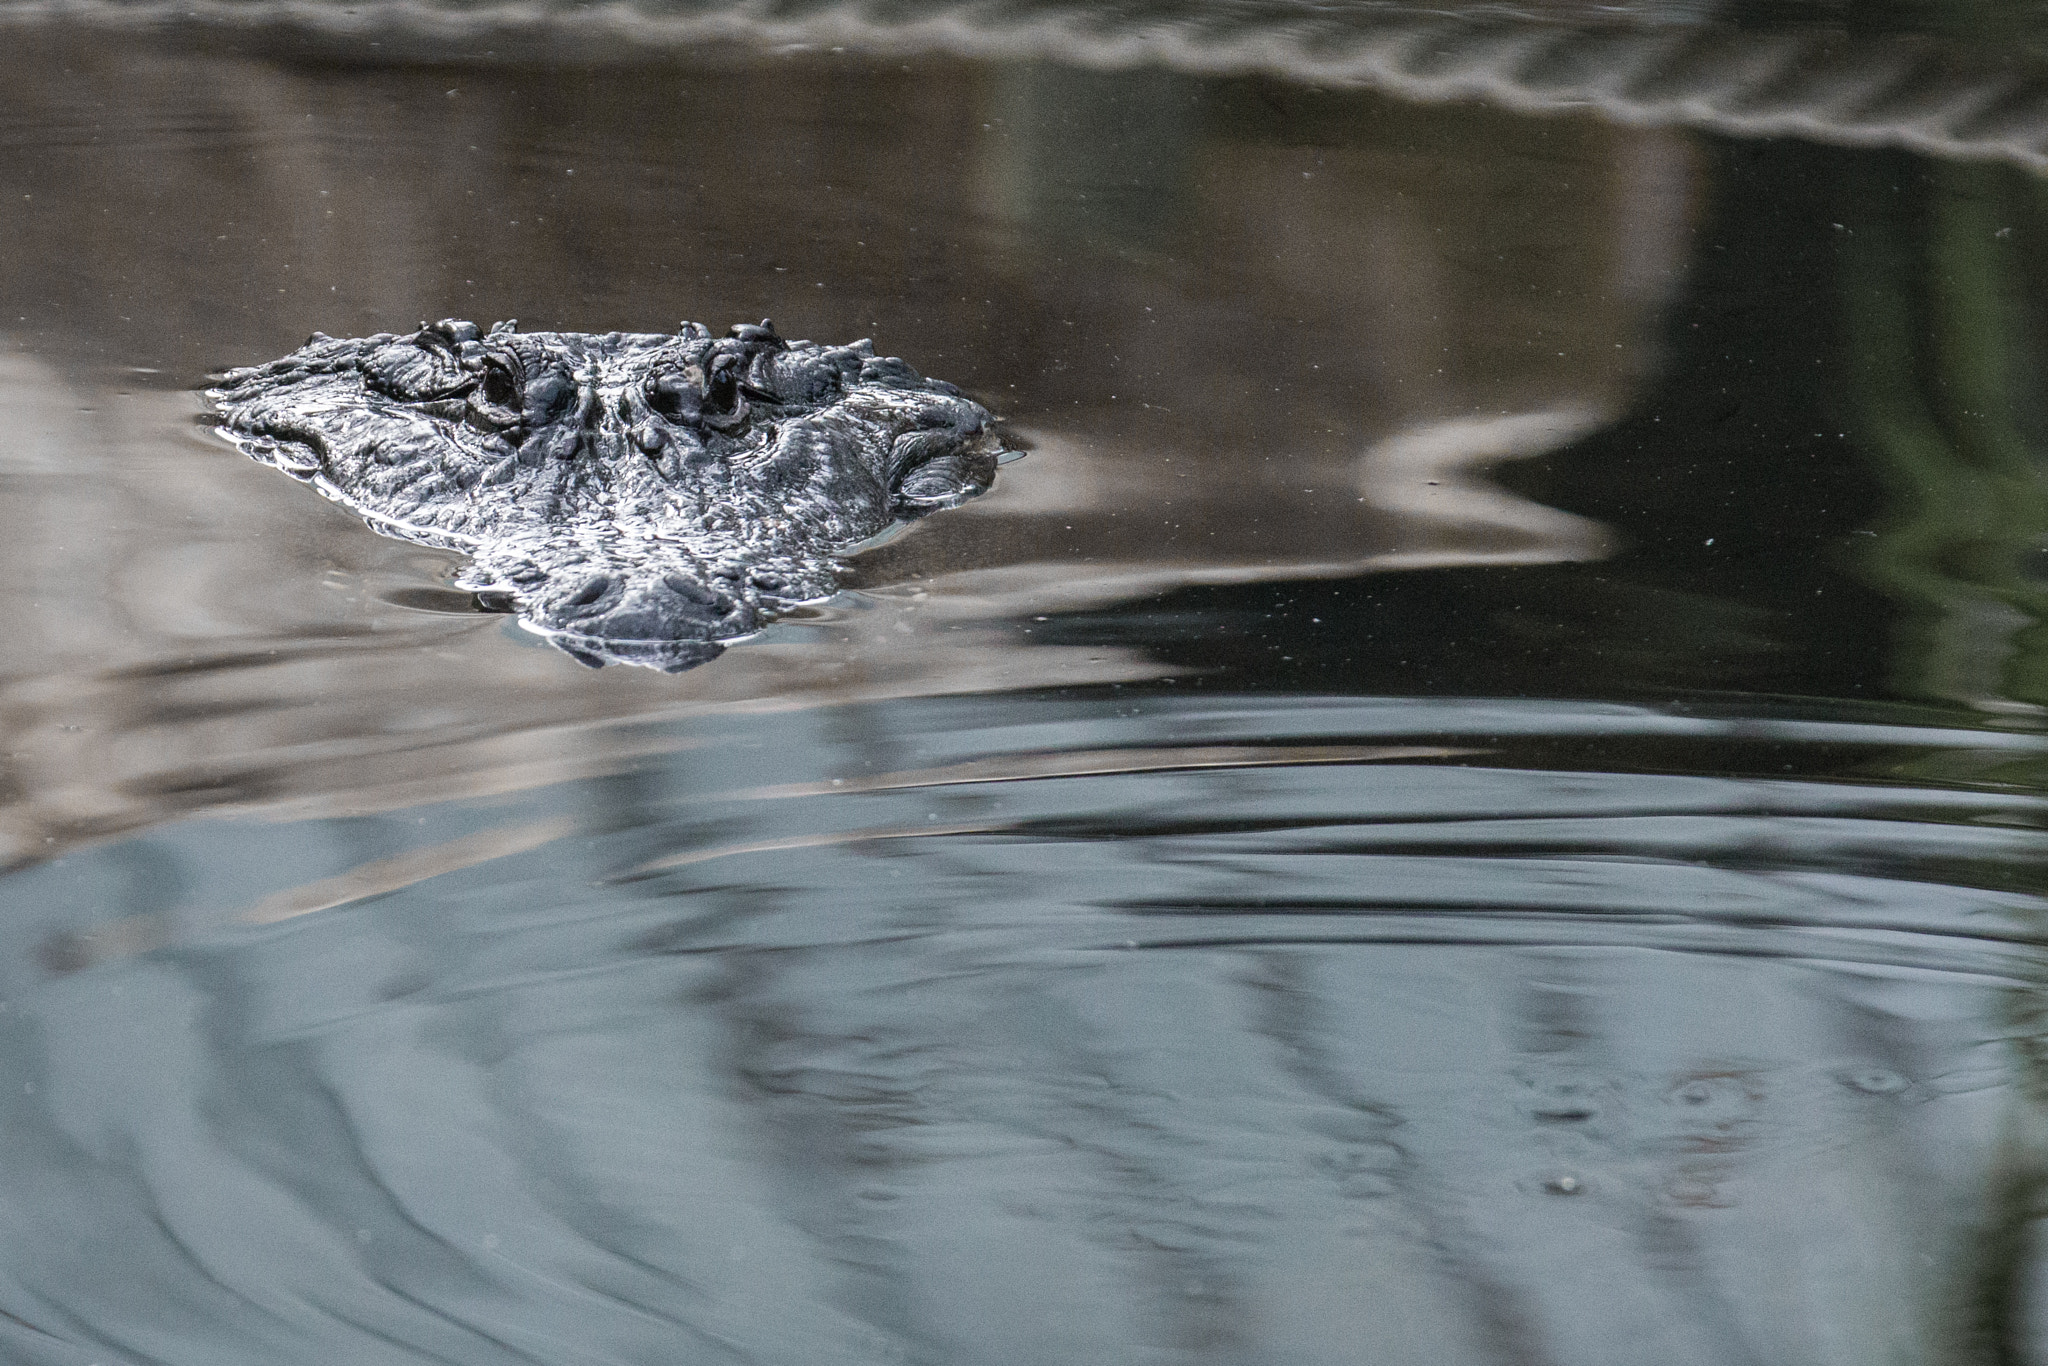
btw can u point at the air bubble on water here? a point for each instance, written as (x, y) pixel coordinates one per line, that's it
(1875, 1081)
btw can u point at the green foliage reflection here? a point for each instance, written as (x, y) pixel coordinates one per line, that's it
(1944, 390)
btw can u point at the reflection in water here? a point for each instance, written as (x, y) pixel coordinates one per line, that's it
(1172, 910)
(1947, 368)
(1438, 472)
(1204, 368)
(1958, 78)
(817, 1041)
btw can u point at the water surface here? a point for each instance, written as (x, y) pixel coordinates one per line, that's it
(1477, 797)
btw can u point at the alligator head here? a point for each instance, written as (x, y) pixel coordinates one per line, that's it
(635, 497)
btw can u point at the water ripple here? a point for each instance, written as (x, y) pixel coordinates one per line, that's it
(860, 1034)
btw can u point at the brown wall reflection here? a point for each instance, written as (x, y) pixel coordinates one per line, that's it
(1226, 308)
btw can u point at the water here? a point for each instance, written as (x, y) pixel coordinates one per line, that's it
(1476, 798)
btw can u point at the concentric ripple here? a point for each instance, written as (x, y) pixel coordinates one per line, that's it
(1306, 1029)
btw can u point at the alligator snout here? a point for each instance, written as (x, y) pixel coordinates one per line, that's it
(946, 458)
(646, 604)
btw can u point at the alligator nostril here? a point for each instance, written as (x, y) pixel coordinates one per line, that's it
(689, 590)
(593, 589)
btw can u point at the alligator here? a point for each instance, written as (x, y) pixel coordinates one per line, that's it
(637, 498)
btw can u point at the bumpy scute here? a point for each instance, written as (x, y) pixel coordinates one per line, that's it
(636, 497)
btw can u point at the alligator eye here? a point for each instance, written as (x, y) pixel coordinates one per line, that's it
(501, 388)
(673, 396)
(496, 400)
(722, 386)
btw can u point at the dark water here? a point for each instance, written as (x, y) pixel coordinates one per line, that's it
(1477, 798)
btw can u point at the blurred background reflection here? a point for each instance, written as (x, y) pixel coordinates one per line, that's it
(1477, 798)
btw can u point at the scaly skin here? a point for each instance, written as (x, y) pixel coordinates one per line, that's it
(636, 497)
